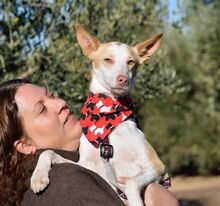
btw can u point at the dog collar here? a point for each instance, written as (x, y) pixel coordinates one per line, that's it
(101, 114)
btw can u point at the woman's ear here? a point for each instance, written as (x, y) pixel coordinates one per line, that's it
(24, 146)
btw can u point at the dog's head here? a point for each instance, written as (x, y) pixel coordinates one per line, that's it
(114, 64)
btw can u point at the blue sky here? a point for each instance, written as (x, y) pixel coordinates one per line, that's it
(174, 12)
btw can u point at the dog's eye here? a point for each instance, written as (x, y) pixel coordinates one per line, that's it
(131, 62)
(108, 60)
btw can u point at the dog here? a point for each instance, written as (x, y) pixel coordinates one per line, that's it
(112, 145)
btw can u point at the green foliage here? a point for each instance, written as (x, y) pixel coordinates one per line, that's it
(38, 42)
(185, 127)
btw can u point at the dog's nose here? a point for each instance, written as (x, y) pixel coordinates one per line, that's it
(122, 80)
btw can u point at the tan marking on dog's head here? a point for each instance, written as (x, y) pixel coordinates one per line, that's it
(102, 56)
(133, 61)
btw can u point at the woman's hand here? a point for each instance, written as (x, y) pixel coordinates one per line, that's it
(155, 195)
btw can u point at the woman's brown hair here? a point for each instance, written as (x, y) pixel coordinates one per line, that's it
(14, 166)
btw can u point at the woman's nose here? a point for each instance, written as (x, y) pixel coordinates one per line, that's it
(58, 104)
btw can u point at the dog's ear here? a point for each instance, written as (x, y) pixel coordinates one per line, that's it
(87, 42)
(147, 48)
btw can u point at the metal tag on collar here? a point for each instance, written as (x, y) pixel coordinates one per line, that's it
(121, 194)
(106, 151)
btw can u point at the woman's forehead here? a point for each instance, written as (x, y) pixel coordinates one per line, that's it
(28, 95)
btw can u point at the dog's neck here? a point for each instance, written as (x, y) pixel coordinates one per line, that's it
(96, 86)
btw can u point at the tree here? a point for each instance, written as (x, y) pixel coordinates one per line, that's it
(38, 42)
(187, 129)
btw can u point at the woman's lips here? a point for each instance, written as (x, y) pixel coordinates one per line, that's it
(69, 117)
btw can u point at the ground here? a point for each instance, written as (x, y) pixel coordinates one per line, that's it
(197, 191)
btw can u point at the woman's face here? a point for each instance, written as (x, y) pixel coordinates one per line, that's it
(47, 120)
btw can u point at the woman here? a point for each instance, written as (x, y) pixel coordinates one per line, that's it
(32, 119)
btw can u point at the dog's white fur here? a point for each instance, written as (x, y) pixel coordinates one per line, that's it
(133, 156)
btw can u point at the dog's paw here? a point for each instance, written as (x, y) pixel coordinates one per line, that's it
(39, 180)
(133, 193)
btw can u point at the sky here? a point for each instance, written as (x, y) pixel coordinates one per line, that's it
(174, 11)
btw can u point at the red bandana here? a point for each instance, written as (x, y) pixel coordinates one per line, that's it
(101, 114)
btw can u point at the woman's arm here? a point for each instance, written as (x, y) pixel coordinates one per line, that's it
(155, 195)
(73, 185)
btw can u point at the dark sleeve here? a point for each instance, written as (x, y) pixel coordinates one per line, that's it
(72, 185)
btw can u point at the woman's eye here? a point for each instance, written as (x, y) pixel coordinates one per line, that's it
(108, 60)
(131, 62)
(51, 95)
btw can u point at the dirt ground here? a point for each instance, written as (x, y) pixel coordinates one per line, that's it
(197, 191)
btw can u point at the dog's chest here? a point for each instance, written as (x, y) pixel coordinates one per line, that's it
(129, 152)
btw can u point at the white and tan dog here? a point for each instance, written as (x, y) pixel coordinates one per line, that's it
(113, 69)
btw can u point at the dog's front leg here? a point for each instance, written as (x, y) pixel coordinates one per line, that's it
(135, 184)
(40, 177)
